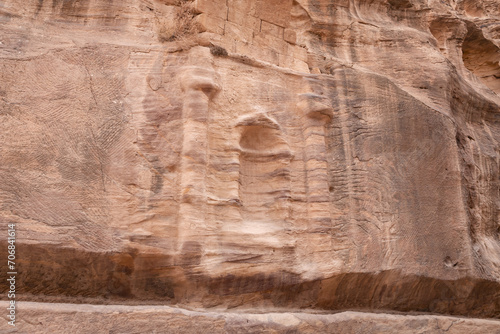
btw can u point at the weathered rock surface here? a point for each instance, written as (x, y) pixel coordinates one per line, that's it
(84, 318)
(260, 154)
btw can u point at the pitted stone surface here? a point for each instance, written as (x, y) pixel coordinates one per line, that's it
(319, 154)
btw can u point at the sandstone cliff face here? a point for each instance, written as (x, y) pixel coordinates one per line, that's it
(281, 154)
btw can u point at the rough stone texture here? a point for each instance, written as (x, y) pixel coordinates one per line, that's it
(259, 154)
(71, 318)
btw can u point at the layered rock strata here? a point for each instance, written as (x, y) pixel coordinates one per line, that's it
(258, 154)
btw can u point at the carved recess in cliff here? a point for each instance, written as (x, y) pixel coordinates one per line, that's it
(287, 154)
(482, 57)
(264, 182)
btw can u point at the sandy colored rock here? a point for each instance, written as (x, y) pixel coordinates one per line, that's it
(255, 155)
(84, 318)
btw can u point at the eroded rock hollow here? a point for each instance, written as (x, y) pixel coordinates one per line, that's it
(253, 154)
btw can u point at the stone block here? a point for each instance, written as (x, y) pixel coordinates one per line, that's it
(290, 36)
(248, 7)
(209, 23)
(263, 54)
(267, 41)
(285, 61)
(238, 32)
(301, 66)
(272, 29)
(298, 52)
(274, 11)
(240, 17)
(290, 62)
(216, 8)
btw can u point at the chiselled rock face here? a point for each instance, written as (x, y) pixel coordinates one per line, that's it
(280, 154)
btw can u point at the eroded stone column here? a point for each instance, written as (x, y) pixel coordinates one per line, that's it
(316, 115)
(199, 85)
